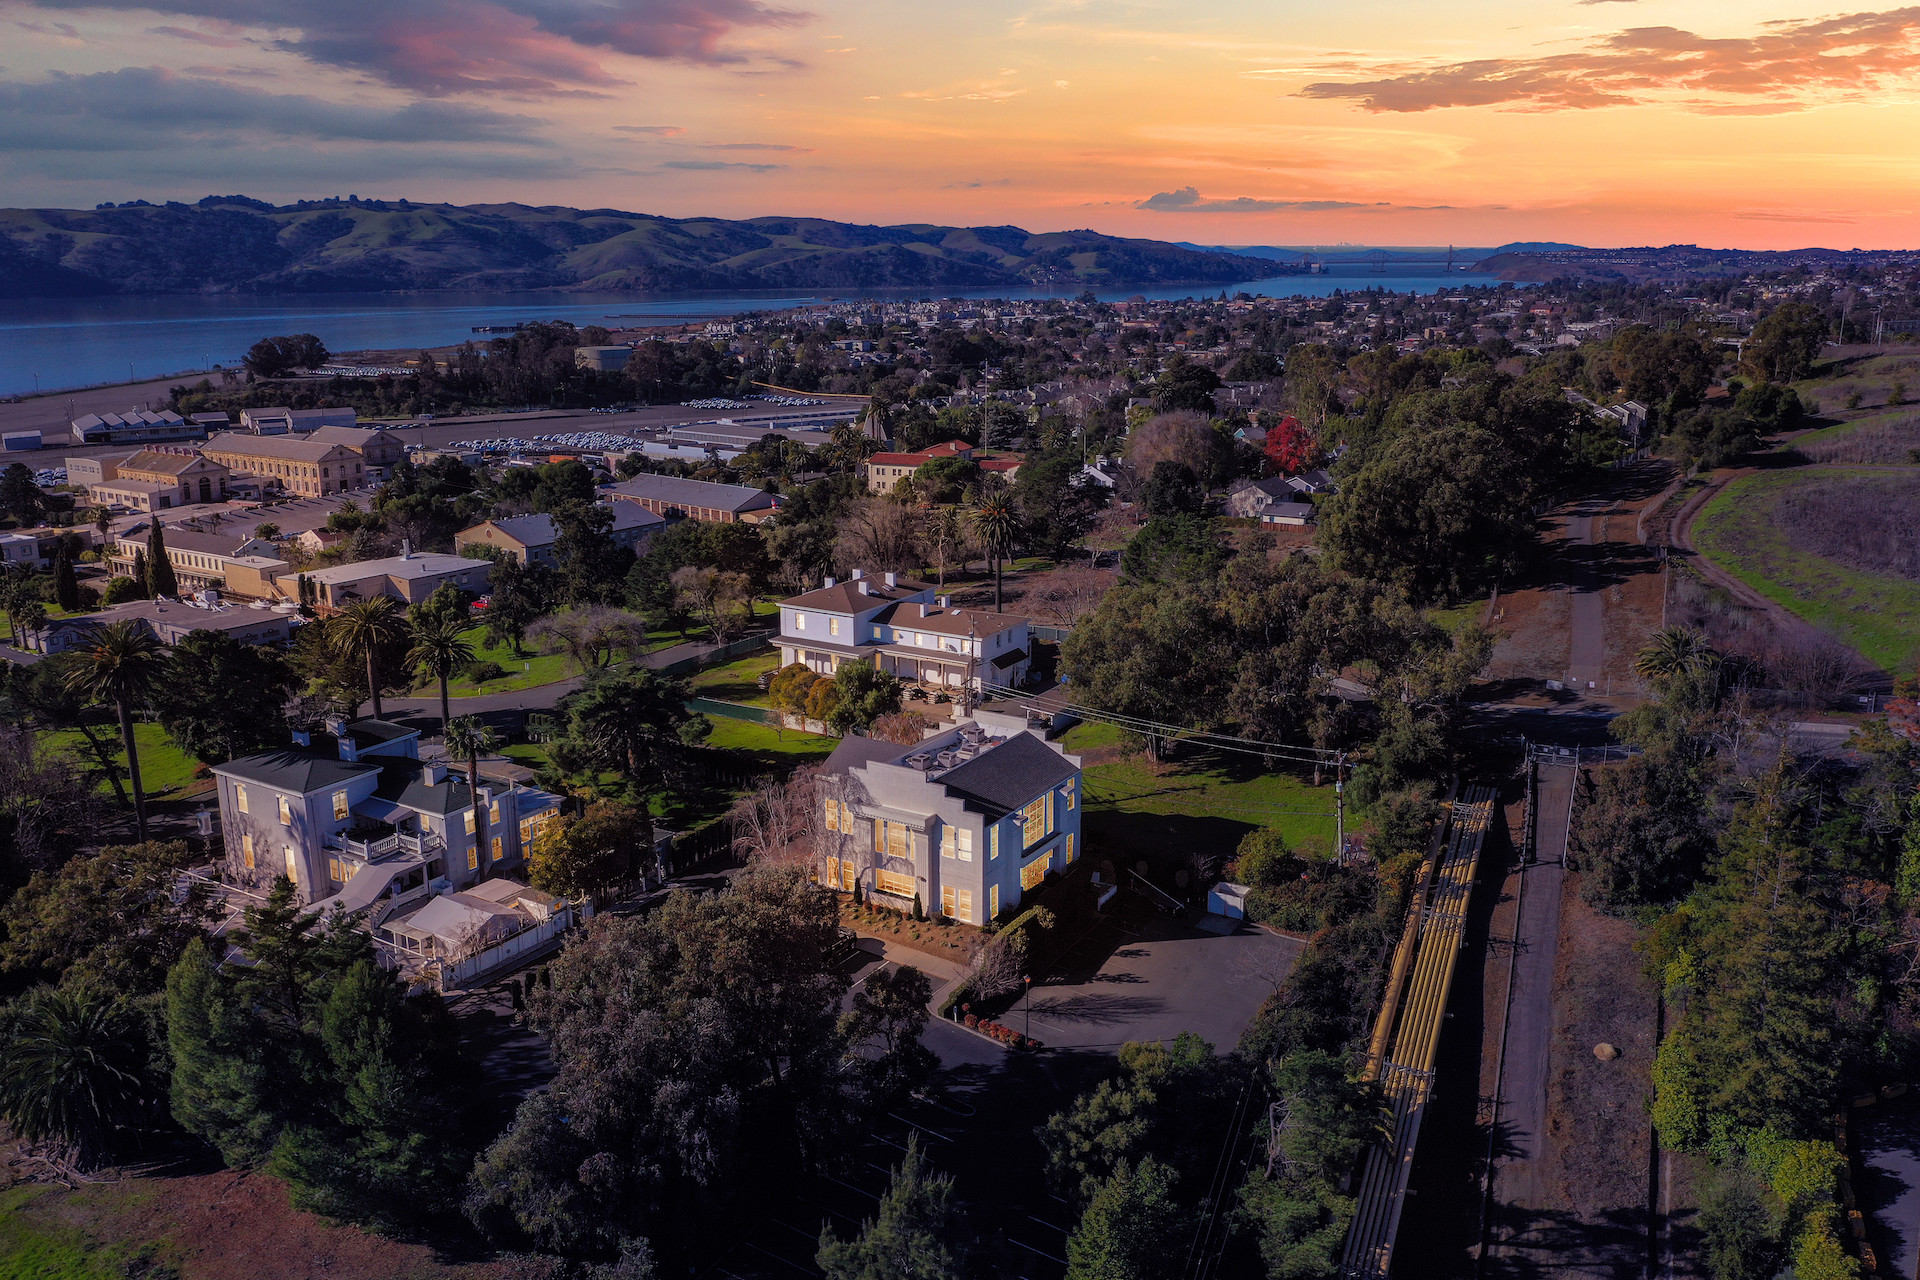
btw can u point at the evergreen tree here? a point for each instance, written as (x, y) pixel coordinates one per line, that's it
(220, 1079)
(919, 1232)
(160, 576)
(1133, 1228)
(66, 586)
(140, 574)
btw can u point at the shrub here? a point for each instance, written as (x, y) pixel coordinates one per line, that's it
(120, 590)
(481, 672)
(972, 1021)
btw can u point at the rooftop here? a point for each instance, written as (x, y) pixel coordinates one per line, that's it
(692, 493)
(847, 597)
(291, 448)
(948, 622)
(421, 564)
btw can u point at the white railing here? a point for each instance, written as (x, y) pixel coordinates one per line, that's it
(460, 972)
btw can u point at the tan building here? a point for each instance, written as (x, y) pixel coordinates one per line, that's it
(378, 449)
(677, 498)
(156, 479)
(409, 578)
(530, 538)
(200, 559)
(88, 472)
(300, 464)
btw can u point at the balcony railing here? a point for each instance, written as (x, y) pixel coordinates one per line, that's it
(386, 846)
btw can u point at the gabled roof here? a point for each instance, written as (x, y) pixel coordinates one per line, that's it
(692, 493)
(402, 782)
(1005, 777)
(846, 597)
(290, 448)
(166, 464)
(947, 622)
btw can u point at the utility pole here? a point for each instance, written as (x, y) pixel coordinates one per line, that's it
(1340, 808)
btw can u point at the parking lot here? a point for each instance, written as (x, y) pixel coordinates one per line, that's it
(1139, 977)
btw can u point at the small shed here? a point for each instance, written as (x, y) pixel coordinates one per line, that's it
(1229, 900)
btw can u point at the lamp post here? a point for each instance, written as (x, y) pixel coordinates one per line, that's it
(1029, 1002)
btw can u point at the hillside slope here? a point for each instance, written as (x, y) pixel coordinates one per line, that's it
(232, 244)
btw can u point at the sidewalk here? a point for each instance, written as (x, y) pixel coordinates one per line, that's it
(942, 973)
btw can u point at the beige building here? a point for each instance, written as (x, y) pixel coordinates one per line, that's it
(530, 538)
(200, 559)
(409, 578)
(300, 464)
(377, 448)
(157, 479)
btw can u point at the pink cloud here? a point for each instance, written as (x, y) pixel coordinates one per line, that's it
(1787, 66)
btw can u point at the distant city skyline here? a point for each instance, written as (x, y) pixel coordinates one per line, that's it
(1377, 122)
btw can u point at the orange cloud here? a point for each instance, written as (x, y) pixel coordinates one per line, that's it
(1788, 66)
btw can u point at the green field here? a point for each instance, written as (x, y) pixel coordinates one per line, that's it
(783, 748)
(1207, 802)
(37, 1242)
(163, 766)
(1878, 615)
(738, 681)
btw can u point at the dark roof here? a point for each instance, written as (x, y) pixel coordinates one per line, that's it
(1007, 776)
(846, 597)
(1006, 660)
(692, 493)
(537, 528)
(401, 783)
(298, 769)
(949, 622)
(371, 730)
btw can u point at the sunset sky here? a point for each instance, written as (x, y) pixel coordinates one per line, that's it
(1604, 122)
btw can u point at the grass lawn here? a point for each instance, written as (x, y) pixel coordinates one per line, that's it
(737, 681)
(1875, 613)
(1207, 801)
(522, 672)
(38, 1242)
(163, 766)
(1452, 620)
(776, 748)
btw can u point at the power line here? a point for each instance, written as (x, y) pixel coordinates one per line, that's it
(1156, 728)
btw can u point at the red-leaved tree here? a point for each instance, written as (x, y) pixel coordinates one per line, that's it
(1291, 447)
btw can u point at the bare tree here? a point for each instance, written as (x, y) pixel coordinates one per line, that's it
(879, 536)
(998, 966)
(593, 636)
(1070, 593)
(777, 821)
(722, 600)
(904, 728)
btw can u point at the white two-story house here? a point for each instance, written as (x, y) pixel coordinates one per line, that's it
(970, 820)
(357, 820)
(901, 626)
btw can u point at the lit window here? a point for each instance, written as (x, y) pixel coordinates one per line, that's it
(1033, 821)
(470, 823)
(1036, 871)
(473, 859)
(993, 841)
(833, 626)
(849, 875)
(339, 805)
(893, 882)
(240, 797)
(993, 902)
(246, 850)
(293, 865)
(949, 847)
(966, 906)
(799, 622)
(496, 849)
(1069, 793)
(833, 873)
(948, 900)
(833, 814)
(965, 840)
(286, 813)
(1069, 847)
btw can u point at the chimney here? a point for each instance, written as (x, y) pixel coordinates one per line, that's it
(302, 737)
(349, 749)
(866, 588)
(406, 549)
(893, 579)
(433, 773)
(946, 602)
(923, 608)
(858, 574)
(831, 580)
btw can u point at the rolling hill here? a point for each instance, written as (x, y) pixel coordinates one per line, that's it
(233, 244)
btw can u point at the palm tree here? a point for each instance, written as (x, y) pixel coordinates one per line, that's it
(469, 738)
(74, 1071)
(439, 648)
(1675, 651)
(360, 629)
(996, 525)
(121, 666)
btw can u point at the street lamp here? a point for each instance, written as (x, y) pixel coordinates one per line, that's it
(1029, 981)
